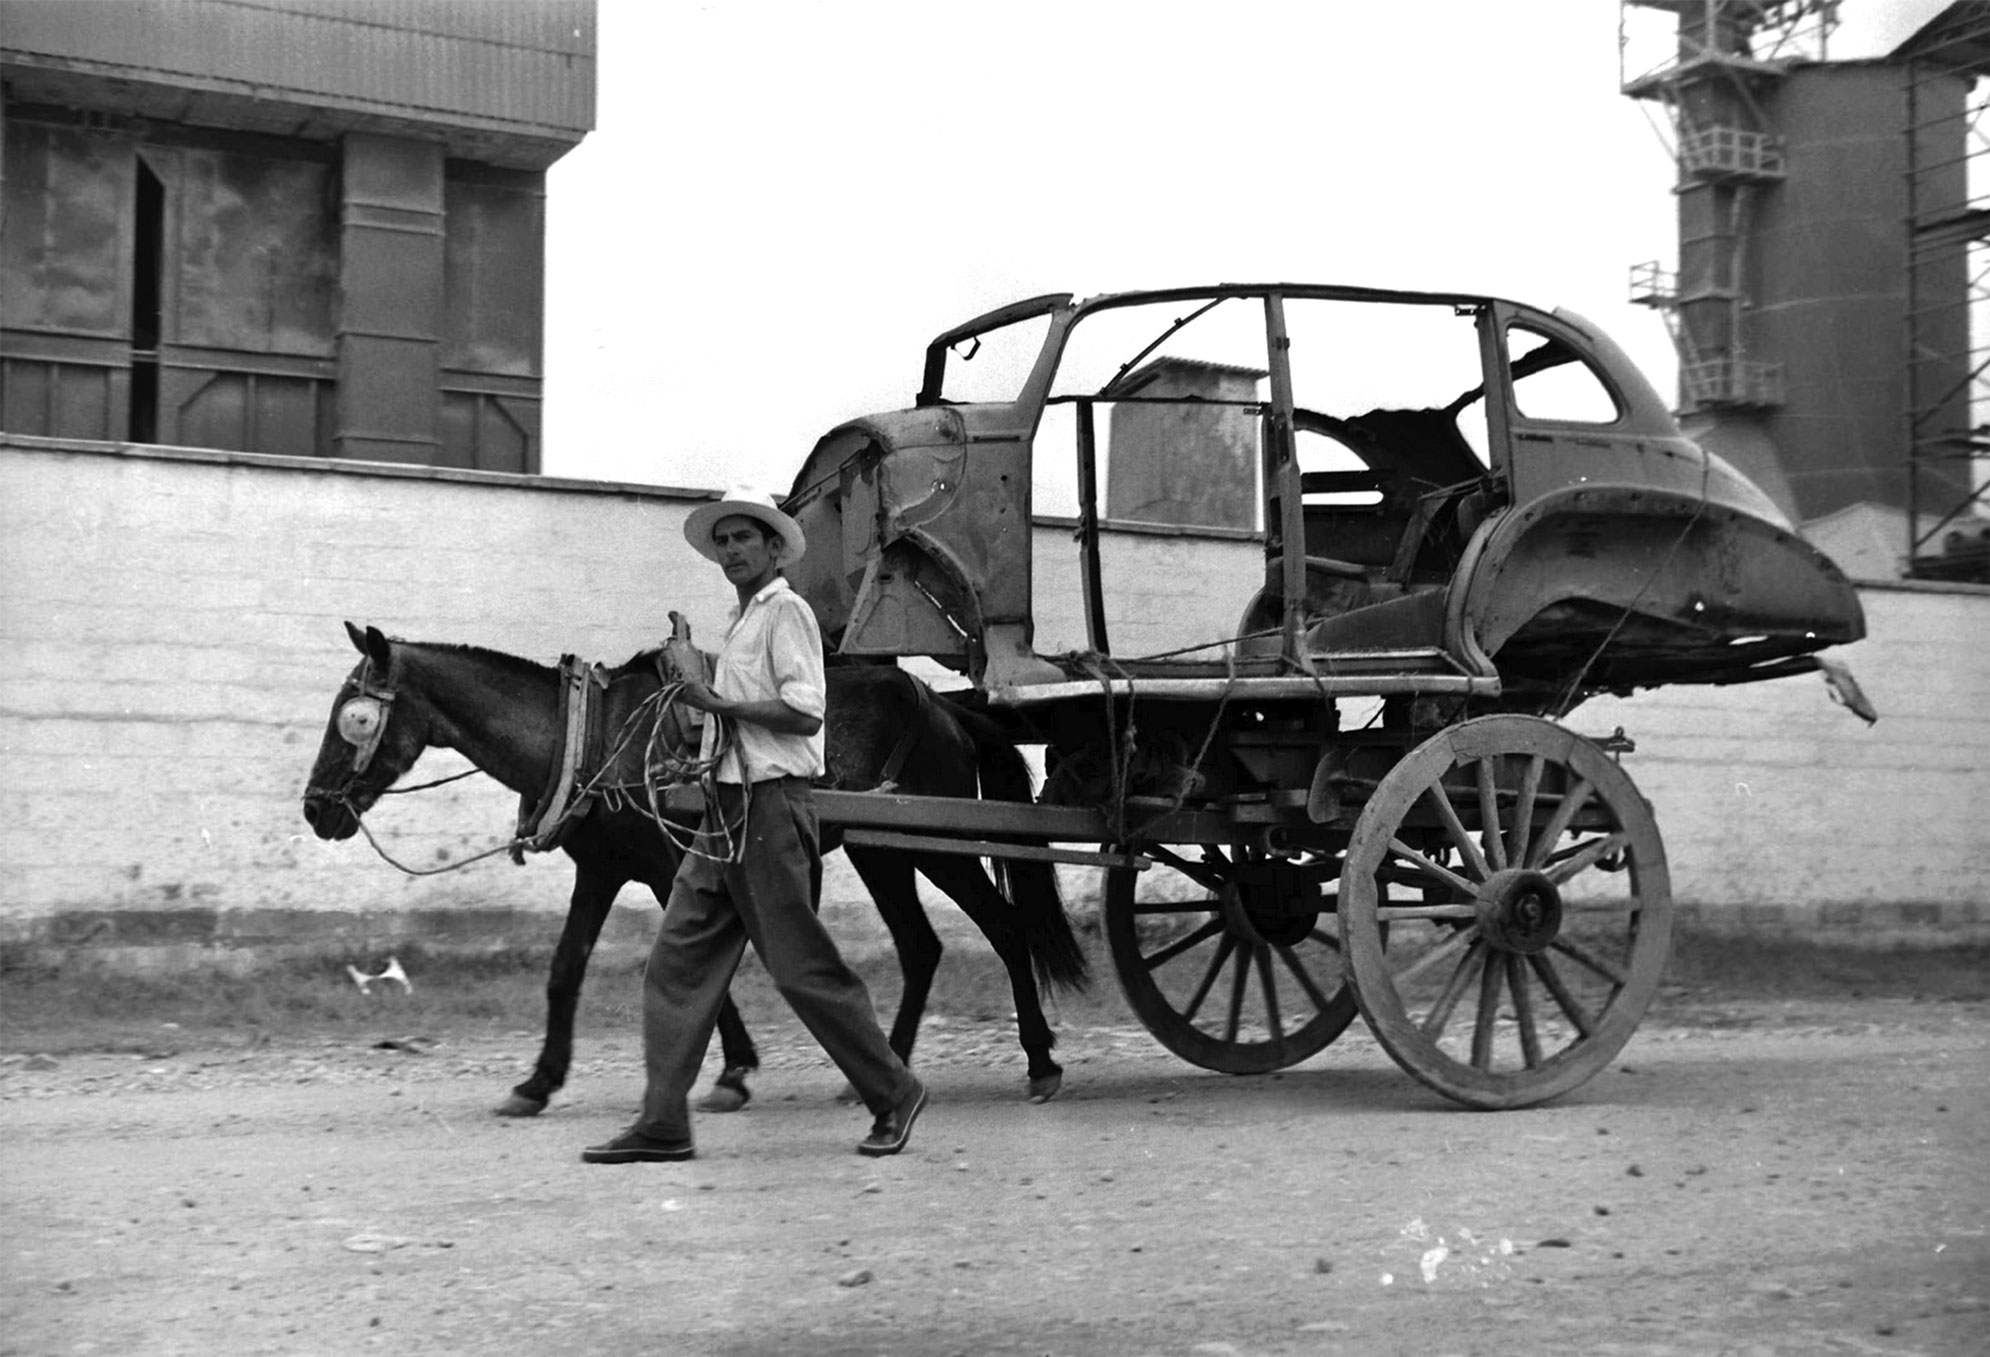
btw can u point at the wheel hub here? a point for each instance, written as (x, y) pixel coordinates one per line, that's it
(1259, 912)
(1520, 910)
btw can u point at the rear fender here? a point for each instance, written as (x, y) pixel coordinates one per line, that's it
(1709, 569)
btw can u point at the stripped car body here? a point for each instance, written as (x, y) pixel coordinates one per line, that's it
(1535, 550)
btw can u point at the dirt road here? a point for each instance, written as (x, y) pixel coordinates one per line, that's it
(1793, 1178)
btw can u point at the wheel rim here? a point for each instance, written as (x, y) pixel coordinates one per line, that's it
(1520, 960)
(1234, 963)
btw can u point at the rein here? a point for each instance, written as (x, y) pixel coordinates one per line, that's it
(391, 861)
(424, 786)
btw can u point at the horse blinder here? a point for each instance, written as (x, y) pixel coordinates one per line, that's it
(362, 718)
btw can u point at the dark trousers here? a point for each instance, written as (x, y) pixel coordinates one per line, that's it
(768, 898)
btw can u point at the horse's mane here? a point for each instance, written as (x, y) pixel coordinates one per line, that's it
(642, 661)
(516, 664)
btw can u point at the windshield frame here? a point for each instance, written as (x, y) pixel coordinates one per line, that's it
(933, 379)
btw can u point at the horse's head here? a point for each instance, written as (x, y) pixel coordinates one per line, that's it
(374, 736)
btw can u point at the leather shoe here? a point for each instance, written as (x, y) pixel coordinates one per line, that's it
(729, 1092)
(891, 1130)
(633, 1147)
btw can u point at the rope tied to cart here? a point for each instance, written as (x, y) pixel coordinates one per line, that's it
(1119, 756)
(1122, 745)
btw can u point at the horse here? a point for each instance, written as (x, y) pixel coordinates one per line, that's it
(506, 716)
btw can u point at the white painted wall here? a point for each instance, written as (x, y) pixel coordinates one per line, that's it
(173, 627)
(1779, 807)
(173, 641)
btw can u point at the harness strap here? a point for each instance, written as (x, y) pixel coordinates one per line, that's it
(894, 763)
(544, 823)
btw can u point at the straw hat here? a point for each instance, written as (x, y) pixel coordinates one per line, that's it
(747, 503)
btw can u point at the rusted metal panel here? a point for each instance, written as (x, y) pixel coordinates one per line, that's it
(275, 413)
(1641, 444)
(391, 300)
(933, 516)
(1614, 586)
(64, 247)
(62, 400)
(485, 431)
(65, 300)
(255, 266)
(494, 274)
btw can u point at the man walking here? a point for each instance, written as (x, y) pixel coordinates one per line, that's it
(768, 683)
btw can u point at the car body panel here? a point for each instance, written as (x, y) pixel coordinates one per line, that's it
(1603, 551)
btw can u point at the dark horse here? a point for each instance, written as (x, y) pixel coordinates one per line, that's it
(504, 715)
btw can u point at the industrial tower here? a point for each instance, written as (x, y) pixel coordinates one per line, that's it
(1828, 243)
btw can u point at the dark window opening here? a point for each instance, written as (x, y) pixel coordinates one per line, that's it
(148, 263)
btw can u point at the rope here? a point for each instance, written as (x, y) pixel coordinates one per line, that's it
(1119, 757)
(1209, 645)
(1208, 738)
(1122, 745)
(665, 767)
(392, 861)
(424, 786)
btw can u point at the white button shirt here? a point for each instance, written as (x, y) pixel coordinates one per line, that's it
(773, 649)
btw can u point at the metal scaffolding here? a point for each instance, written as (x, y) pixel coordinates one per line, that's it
(1948, 330)
(1708, 77)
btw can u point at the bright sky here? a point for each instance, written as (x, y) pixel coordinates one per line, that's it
(783, 202)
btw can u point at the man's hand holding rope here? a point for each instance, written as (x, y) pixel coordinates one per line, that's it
(769, 712)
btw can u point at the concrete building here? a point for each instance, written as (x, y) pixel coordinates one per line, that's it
(298, 227)
(1172, 463)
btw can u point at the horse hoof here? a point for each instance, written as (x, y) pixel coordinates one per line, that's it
(723, 1098)
(518, 1105)
(1046, 1087)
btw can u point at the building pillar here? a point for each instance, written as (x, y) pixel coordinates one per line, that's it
(391, 300)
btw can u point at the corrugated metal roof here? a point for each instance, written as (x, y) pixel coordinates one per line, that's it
(545, 25)
(527, 64)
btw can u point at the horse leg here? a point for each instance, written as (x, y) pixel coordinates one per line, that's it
(887, 875)
(594, 892)
(729, 1092)
(963, 879)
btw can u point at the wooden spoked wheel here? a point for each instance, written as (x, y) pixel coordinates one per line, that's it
(1231, 959)
(1517, 878)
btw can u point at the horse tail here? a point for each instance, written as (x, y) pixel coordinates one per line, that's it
(1029, 885)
